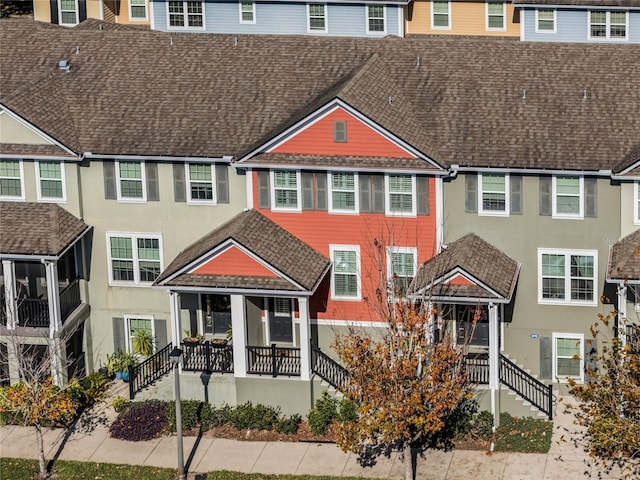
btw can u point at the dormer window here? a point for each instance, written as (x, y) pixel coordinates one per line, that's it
(340, 132)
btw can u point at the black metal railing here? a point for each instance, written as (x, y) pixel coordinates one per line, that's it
(70, 299)
(149, 371)
(633, 338)
(207, 357)
(33, 312)
(328, 369)
(273, 360)
(477, 366)
(528, 387)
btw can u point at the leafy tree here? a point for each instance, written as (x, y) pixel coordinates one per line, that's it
(15, 7)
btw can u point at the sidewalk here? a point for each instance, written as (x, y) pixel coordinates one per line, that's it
(91, 442)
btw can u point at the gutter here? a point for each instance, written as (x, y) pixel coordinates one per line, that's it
(342, 169)
(169, 158)
(235, 290)
(536, 171)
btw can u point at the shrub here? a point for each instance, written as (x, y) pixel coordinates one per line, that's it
(322, 414)
(260, 417)
(482, 425)
(121, 405)
(95, 386)
(523, 434)
(215, 417)
(190, 414)
(348, 411)
(289, 425)
(142, 421)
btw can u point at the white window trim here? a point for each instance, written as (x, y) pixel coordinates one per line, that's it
(507, 199)
(636, 202)
(387, 198)
(185, 16)
(139, 19)
(356, 209)
(384, 20)
(134, 236)
(191, 201)
(22, 197)
(77, 12)
(273, 191)
(143, 175)
(246, 22)
(392, 250)
(42, 198)
(326, 18)
(504, 17)
(608, 37)
(127, 330)
(567, 277)
(554, 194)
(433, 27)
(575, 336)
(555, 21)
(347, 248)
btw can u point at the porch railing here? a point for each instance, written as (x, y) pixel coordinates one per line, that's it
(149, 371)
(207, 357)
(528, 387)
(273, 360)
(33, 312)
(70, 299)
(477, 366)
(328, 369)
(633, 338)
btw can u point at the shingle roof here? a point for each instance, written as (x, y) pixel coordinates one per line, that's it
(39, 229)
(339, 161)
(475, 257)
(265, 239)
(584, 3)
(31, 150)
(458, 100)
(624, 258)
(630, 165)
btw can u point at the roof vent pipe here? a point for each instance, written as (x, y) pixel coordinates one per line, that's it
(584, 94)
(418, 62)
(235, 41)
(64, 65)
(171, 40)
(524, 94)
(77, 49)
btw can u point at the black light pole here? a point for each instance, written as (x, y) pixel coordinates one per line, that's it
(175, 356)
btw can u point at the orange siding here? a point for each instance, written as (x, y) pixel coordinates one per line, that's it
(460, 280)
(361, 140)
(234, 261)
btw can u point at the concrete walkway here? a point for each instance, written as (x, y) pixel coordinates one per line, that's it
(91, 442)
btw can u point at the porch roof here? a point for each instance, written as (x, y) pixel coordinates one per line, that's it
(624, 259)
(295, 265)
(37, 229)
(469, 268)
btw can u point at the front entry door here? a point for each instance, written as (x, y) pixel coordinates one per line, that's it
(217, 313)
(280, 320)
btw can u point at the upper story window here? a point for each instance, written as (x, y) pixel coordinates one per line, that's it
(545, 20)
(134, 259)
(607, 25)
(286, 190)
(247, 12)
(568, 358)
(185, 14)
(11, 180)
(138, 9)
(201, 181)
(493, 194)
(317, 17)
(131, 181)
(345, 275)
(401, 268)
(636, 204)
(400, 198)
(568, 195)
(496, 12)
(50, 181)
(340, 132)
(68, 12)
(441, 15)
(376, 19)
(343, 192)
(567, 277)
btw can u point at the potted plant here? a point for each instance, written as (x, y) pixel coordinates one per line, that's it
(128, 361)
(188, 339)
(142, 342)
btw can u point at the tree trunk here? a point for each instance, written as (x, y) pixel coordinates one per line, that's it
(407, 452)
(41, 459)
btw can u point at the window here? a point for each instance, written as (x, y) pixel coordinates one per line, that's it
(217, 313)
(636, 204)
(340, 132)
(346, 272)
(138, 9)
(201, 181)
(342, 193)
(400, 194)
(375, 19)
(247, 12)
(545, 21)
(495, 15)
(493, 194)
(317, 17)
(606, 25)
(50, 181)
(185, 14)
(567, 277)
(567, 197)
(401, 268)
(286, 190)
(68, 12)
(134, 325)
(134, 259)
(11, 180)
(440, 15)
(131, 181)
(568, 360)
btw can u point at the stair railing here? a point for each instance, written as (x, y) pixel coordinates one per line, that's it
(328, 369)
(527, 386)
(150, 370)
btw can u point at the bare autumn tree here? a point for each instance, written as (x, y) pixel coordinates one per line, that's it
(406, 385)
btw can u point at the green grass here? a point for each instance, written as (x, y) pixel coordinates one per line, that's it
(529, 435)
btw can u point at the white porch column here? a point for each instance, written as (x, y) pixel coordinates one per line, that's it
(53, 297)
(10, 304)
(174, 306)
(305, 339)
(622, 314)
(494, 363)
(239, 335)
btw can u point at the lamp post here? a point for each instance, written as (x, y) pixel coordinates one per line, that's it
(175, 356)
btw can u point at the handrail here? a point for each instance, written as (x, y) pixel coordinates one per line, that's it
(273, 360)
(70, 299)
(207, 357)
(147, 372)
(328, 369)
(633, 338)
(528, 387)
(477, 367)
